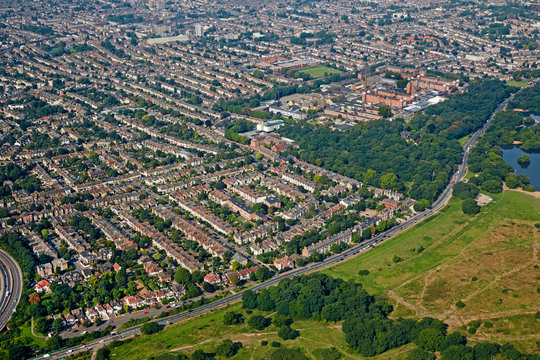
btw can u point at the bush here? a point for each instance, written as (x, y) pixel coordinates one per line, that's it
(488, 324)
(227, 348)
(288, 333)
(287, 354)
(363, 272)
(232, 318)
(275, 344)
(473, 326)
(282, 320)
(331, 354)
(201, 355)
(460, 304)
(103, 354)
(150, 328)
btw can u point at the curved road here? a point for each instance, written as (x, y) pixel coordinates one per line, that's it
(353, 251)
(11, 287)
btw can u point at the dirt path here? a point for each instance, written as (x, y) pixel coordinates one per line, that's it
(535, 194)
(190, 346)
(418, 309)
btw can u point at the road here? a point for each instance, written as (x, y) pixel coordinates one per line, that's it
(11, 287)
(334, 259)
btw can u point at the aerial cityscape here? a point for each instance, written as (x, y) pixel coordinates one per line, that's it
(274, 179)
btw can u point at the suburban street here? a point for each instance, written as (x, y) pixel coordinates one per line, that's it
(345, 255)
(10, 287)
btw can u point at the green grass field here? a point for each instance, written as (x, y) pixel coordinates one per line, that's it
(319, 71)
(486, 261)
(521, 83)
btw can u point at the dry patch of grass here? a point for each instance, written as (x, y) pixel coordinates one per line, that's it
(489, 262)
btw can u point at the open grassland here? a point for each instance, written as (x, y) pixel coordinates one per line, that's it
(489, 262)
(208, 331)
(319, 71)
(520, 83)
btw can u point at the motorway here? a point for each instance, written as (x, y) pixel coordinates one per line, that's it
(334, 259)
(11, 287)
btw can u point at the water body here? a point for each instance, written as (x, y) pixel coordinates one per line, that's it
(532, 171)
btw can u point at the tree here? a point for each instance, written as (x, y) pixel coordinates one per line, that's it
(486, 351)
(262, 273)
(454, 338)
(402, 83)
(58, 324)
(458, 352)
(234, 279)
(430, 339)
(259, 322)
(182, 276)
(41, 325)
(55, 342)
(288, 333)
(208, 287)
(249, 300)
(420, 354)
(150, 328)
(470, 207)
(512, 181)
(385, 111)
(265, 301)
(388, 180)
(492, 186)
(34, 298)
(282, 320)
(422, 205)
(103, 354)
(331, 354)
(524, 160)
(201, 355)
(287, 354)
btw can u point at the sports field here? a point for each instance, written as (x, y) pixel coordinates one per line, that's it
(319, 71)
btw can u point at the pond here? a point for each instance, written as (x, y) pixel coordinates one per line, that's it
(532, 171)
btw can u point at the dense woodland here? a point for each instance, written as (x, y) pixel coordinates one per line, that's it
(508, 128)
(380, 154)
(377, 155)
(527, 100)
(367, 328)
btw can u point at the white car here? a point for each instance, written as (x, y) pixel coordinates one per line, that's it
(69, 351)
(47, 355)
